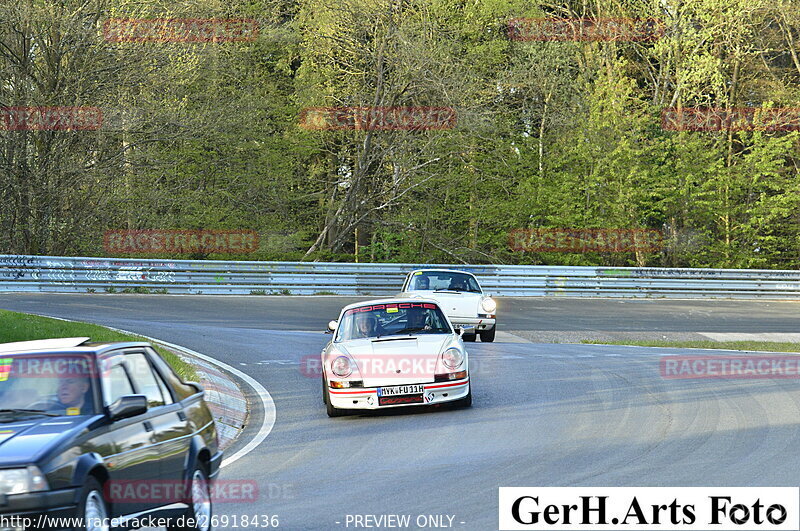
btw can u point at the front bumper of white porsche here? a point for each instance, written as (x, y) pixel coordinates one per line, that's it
(368, 397)
(480, 323)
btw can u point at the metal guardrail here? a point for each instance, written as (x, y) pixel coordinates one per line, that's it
(70, 274)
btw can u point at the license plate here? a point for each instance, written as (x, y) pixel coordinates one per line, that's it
(401, 390)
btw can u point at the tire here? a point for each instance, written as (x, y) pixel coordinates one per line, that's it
(467, 400)
(487, 336)
(92, 507)
(329, 409)
(201, 508)
(469, 338)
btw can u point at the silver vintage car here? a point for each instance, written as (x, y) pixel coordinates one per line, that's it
(460, 296)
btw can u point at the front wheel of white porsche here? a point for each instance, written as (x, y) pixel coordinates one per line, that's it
(329, 408)
(487, 336)
(467, 400)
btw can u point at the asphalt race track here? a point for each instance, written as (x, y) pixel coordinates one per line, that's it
(544, 414)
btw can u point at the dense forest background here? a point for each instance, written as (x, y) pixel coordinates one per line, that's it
(549, 134)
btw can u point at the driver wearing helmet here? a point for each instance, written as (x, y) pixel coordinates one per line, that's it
(417, 319)
(366, 325)
(458, 284)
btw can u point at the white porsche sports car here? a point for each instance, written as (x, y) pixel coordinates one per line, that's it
(460, 296)
(392, 353)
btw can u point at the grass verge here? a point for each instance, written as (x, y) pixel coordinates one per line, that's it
(25, 327)
(755, 346)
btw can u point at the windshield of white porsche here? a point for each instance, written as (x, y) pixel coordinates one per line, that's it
(381, 320)
(444, 281)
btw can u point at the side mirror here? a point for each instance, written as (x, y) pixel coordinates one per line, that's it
(466, 330)
(128, 406)
(332, 327)
(199, 388)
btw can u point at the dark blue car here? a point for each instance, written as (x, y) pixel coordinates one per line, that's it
(100, 436)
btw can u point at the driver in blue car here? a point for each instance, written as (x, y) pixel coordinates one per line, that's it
(71, 395)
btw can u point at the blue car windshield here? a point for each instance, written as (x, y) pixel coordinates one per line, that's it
(60, 384)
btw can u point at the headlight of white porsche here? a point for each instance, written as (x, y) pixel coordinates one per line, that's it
(22, 480)
(342, 367)
(488, 305)
(452, 358)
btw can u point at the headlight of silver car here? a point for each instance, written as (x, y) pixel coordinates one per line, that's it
(452, 358)
(488, 305)
(22, 480)
(342, 367)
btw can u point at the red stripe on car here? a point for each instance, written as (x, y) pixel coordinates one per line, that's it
(446, 385)
(352, 392)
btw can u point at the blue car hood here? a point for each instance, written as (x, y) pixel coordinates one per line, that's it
(26, 440)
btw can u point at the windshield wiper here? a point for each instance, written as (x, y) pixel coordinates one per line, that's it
(409, 330)
(401, 331)
(29, 412)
